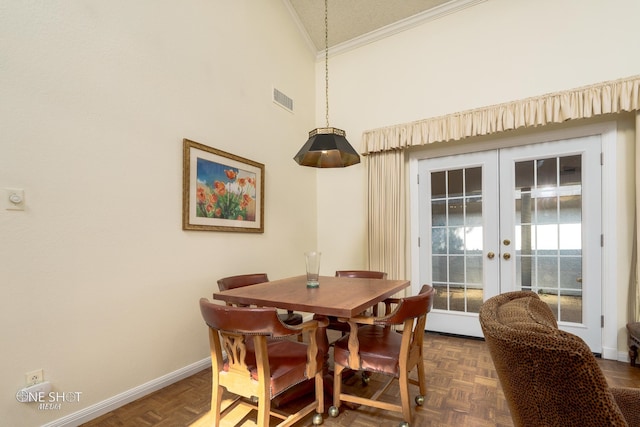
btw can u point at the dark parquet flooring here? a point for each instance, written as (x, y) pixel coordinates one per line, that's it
(463, 391)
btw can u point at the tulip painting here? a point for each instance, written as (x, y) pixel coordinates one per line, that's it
(221, 191)
(225, 192)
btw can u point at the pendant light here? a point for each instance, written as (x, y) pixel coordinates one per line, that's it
(327, 147)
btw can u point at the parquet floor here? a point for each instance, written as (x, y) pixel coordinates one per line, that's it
(463, 391)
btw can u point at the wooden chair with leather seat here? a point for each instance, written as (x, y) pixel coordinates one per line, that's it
(334, 323)
(251, 360)
(232, 282)
(376, 347)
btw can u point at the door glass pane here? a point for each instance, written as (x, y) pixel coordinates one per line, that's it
(438, 213)
(440, 298)
(456, 213)
(571, 170)
(546, 173)
(548, 202)
(457, 239)
(524, 175)
(455, 183)
(474, 211)
(473, 181)
(547, 210)
(438, 185)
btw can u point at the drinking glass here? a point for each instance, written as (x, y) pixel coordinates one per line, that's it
(312, 260)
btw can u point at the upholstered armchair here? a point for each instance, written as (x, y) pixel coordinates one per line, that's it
(550, 377)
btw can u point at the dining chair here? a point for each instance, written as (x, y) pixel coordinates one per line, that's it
(377, 347)
(334, 323)
(342, 327)
(232, 282)
(251, 360)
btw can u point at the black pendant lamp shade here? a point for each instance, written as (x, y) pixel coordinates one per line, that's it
(327, 148)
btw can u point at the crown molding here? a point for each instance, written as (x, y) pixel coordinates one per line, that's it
(301, 29)
(403, 25)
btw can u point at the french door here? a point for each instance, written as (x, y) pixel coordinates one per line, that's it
(526, 217)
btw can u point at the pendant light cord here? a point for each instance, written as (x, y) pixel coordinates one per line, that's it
(326, 59)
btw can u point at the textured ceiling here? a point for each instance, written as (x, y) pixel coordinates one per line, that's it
(351, 19)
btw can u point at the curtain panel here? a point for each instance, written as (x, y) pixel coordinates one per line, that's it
(589, 101)
(387, 213)
(634, 291)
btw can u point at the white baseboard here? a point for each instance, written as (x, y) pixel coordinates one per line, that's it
(101, 408)
(623, 356)
(610, 353)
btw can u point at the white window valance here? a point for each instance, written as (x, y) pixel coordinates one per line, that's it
(589, 101)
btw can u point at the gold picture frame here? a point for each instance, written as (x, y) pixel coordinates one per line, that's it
(221, 191)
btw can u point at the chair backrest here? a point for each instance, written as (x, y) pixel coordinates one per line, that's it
(408, 308)
(411, 314)
(239, 281)
(243, 320)
(362, 274)
(549, 377)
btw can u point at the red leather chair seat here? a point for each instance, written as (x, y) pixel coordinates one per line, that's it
(287, 361)
(379, 349)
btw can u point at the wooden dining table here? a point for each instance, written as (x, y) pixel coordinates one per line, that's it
(343, 297)
(336, 296)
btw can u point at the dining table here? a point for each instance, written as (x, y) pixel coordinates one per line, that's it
(342, 297)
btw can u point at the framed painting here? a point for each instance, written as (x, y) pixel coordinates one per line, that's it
(221, 191)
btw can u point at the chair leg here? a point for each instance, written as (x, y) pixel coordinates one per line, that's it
(337, 385)
(633, 354)
(264, 411)
(320, 392)
(216, 402)
(404, 395)
(422, 378)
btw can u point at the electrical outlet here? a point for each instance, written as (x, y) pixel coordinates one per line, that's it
(34, 377)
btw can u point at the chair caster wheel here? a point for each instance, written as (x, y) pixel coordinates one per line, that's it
(419, 400)
(365, 378)
(334, 411)
(317, 419)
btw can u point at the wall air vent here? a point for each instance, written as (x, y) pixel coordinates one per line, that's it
(282, 100)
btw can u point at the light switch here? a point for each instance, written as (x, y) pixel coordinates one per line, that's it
(14, 199)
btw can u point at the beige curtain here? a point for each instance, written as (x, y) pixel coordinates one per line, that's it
(387, 213)
(634, 291)
(590, 101)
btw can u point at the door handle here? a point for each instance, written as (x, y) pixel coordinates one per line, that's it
(506, 256)
(490, 255)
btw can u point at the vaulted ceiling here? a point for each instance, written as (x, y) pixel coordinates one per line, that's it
(361, 21)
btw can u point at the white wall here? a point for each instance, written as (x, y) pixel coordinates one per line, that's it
(100, 285)
(494, 52)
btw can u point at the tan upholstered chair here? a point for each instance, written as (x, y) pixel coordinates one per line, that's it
(232, 282)
(550, 377)
(374, 346)
(258, 363)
